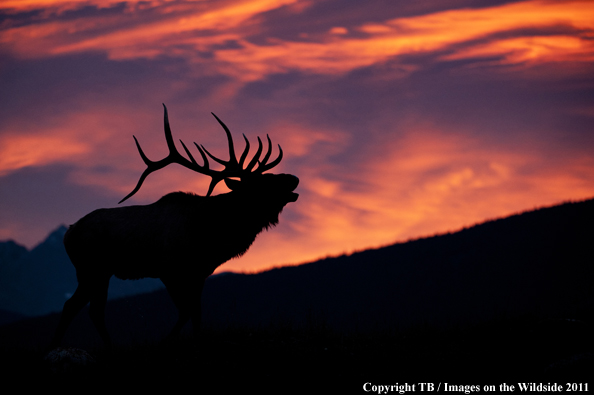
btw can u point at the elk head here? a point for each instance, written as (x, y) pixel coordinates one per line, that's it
(251, 177)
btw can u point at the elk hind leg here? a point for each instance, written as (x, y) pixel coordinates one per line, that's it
(178, 293)
(98, 301)
(72, 307)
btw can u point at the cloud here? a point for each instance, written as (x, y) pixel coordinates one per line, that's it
(18, 152)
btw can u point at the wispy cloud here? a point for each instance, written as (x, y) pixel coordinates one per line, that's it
(18, 152)
(219, 36)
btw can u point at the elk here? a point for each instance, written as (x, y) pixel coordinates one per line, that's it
(181, 238)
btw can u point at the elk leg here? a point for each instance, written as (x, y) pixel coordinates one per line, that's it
(71, 308)
(197, 308)
(180, 298)
(97, 310)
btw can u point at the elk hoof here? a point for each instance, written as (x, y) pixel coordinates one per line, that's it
(68, 359)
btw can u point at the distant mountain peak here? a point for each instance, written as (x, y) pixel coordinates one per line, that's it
(10, 251)
(56, 236)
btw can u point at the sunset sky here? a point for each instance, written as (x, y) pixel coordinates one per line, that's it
(402, 119)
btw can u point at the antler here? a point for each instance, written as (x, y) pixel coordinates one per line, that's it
(233, 168)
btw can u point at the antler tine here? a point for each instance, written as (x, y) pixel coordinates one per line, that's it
(168, 136)
(151, 166)
(190, 155)
(232, 158)
(263, 166)
(138, 185)
(245, 152)
(204, 158)
(256, 157)
(222, 162)
(212, 185)
(268, 152)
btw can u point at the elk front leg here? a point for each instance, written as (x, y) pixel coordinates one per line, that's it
(178, 292)
(186, 296)
(197, 307)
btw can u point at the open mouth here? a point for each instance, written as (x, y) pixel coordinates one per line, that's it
(291, 183)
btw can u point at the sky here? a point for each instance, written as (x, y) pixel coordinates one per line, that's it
(402, 119)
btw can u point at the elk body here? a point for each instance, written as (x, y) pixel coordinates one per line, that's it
(181, 239)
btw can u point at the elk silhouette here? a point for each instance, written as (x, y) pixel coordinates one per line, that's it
(181, 238)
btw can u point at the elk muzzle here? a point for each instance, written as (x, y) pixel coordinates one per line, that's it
(290, 183)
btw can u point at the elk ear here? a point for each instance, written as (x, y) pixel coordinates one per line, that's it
(232, 184)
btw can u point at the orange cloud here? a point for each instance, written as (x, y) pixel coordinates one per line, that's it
(532, 49)
(200, 29)
(21, 151)
(66, 5)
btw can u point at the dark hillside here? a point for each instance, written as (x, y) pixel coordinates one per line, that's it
(509, 299)
(539, 263)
